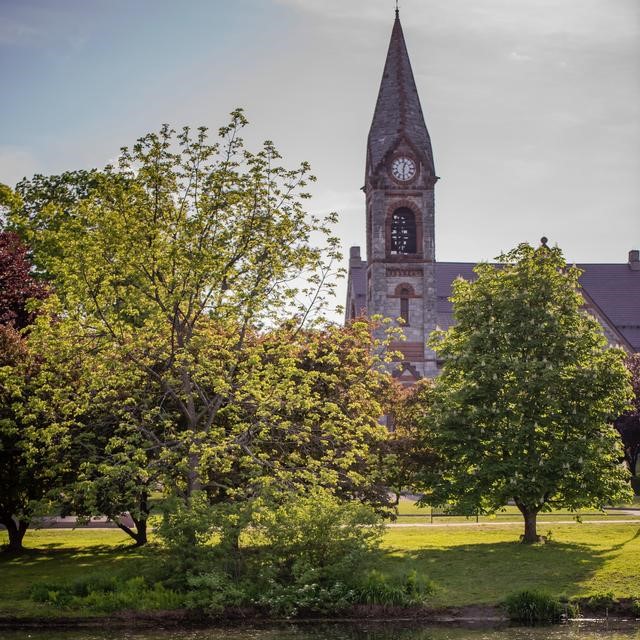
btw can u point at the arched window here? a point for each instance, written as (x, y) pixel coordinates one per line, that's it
(405, 292)
(403, 231)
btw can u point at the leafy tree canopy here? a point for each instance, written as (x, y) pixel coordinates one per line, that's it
(528, 391)
(184, 339)
(29, 443)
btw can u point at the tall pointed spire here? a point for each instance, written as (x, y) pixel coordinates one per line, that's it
(398, 112)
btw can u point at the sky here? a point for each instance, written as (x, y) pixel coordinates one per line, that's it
(533, 106)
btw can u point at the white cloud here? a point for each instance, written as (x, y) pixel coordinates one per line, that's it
(520, 57)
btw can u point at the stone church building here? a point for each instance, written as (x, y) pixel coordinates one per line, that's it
(401, 277)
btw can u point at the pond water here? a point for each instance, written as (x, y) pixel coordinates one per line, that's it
(360, 631)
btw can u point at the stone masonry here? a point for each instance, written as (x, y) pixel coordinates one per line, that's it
(400, 277)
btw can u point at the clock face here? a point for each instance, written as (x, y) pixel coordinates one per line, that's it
(403, 169)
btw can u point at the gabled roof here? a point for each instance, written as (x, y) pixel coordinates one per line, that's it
(615, 290)
(398, 109)
(612, 292)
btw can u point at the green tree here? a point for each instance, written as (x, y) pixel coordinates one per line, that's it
(523, 408)
(628, 424)
(187, 279)
(168, 263)
(404, 452)
(306, 415)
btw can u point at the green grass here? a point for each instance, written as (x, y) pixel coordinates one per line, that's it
(470, 565)
(61, 555)
(485, 564)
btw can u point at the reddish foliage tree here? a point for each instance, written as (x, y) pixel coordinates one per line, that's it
(17, 283)
(21, 482)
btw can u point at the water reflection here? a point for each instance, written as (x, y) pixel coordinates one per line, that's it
(360, 631)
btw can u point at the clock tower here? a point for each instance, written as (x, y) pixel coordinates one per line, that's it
(399, 189)
(399, 278)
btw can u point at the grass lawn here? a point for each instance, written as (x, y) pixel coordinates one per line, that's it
(484, 564)
(56, 555)
(470, 565)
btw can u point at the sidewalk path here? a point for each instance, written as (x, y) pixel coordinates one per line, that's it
(101, 522)
(517, 523)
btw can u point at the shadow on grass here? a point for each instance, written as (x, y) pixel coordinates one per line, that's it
(487, 573)
(55, 551)
(621, 545)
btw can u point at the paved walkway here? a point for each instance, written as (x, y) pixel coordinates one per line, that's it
(69, 522)
(493, 523)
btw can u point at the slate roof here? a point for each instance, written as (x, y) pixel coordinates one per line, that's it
(615, 289)
(398, 109)
(612, 289)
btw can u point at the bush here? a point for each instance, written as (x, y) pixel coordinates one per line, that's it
(213, 591)
(202, 538)
(600, 601)
(313, 555)
(185, 526)
(533, 607)
(316, 537)
(107, 594)
(289, 600)
(300, 553)
(379, 589)
(134, 594)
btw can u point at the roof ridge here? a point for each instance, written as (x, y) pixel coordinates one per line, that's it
(398, 110)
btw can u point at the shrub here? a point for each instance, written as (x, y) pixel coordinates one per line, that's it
(185, 526)
(379, 589)
(107, 594)
(61, 594)
(311, 552)
(289, 600)
(213, 591)
(600, 600)
(316, 537)
(533, 607)
(134, 594)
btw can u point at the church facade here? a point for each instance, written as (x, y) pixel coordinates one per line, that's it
(400, 277)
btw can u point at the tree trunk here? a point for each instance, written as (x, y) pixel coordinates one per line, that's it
(235, 558)
(140, 534)
(530, 525)
(193, 475)
(16, 530)
(633, 459)
(141, 529)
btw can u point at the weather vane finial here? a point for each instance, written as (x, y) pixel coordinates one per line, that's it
(397, 10)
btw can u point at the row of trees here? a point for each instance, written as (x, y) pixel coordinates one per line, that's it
(169, 336)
